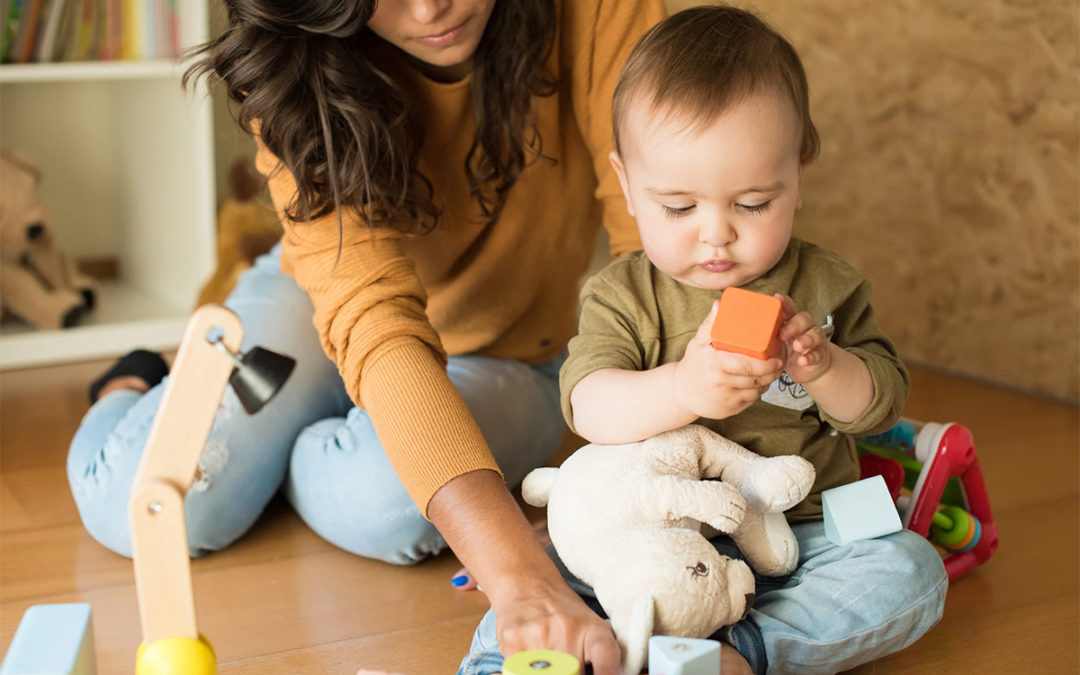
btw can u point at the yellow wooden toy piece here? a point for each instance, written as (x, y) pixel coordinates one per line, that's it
(176, 656)
(541, 662)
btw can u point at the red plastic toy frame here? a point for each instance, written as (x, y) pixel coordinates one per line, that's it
(954, 456)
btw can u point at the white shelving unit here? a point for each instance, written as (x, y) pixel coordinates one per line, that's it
(128, 164)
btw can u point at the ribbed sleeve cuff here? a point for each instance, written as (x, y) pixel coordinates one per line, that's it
(427, 432)
(890, 392)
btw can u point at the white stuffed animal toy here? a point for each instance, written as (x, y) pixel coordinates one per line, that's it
(626, 519)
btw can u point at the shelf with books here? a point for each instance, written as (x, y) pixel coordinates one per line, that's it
(41, 31)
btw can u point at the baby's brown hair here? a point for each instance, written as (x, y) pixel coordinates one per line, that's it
(701, 60)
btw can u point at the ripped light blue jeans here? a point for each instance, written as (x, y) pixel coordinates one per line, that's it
(310, 441)
(842, 607)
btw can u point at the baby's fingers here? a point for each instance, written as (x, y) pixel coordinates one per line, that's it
(787, 305)
(740, 366)
(704, 331)
(796, 326)
(749, 383)
(809, 341)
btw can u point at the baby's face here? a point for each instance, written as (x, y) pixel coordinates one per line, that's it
(714, 205)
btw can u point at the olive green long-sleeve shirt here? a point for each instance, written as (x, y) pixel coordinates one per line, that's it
(635, 317)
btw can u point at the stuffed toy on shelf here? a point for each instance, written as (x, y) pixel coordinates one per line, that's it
(39, 283)
(246, 229)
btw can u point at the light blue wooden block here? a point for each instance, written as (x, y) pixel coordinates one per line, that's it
(860, 510)
(683, 656)
(52, 640)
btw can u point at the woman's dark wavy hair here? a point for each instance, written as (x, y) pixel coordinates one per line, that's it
(329, 102)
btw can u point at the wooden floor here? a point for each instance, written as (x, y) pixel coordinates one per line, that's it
(284, 601)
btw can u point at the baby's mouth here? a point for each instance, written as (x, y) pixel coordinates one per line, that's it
(717, 266)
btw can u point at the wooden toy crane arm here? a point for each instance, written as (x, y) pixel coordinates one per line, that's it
(158, 528)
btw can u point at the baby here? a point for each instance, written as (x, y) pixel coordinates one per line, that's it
(713, 134)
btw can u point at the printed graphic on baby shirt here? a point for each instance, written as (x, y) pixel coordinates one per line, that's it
(787, 393)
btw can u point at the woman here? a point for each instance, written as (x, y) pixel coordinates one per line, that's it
(440, 167)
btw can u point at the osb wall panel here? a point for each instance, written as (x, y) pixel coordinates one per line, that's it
(949, 173)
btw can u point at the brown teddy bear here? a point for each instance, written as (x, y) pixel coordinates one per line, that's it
(39, 283)
(247, 228)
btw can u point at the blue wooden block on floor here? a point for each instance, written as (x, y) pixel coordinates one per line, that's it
(683, 656)
(52, 640)
(860, 510)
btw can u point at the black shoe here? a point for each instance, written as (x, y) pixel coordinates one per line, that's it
(146, 365)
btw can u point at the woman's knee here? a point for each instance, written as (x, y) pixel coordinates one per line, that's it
(406, 538)
(373, 526)
(343, 486)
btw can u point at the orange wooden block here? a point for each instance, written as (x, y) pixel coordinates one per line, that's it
(747, 323)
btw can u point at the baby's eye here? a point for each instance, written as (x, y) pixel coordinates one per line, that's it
(677, 211)
(755, 208)
(699, 570)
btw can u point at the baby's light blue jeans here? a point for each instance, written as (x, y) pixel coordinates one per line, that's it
(309, 440)
(842, 607)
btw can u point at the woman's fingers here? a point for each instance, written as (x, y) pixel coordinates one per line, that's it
(463, 581)
(602, 651)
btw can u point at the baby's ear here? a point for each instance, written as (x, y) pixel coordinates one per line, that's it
(802, 171)
(620, 171)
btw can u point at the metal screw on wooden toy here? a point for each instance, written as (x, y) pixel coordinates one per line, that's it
(207, 361)
(541, 662)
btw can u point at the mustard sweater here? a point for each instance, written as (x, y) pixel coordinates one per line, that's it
(394, 306)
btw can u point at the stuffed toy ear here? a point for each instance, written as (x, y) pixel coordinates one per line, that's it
(633, 633)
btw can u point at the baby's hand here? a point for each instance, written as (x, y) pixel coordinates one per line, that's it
(807, 355)
(715, 384)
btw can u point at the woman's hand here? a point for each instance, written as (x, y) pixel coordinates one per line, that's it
(534, 608)
(716, 384)
(541, 615)
(463, 581)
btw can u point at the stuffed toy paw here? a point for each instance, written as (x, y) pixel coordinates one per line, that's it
(626, 519)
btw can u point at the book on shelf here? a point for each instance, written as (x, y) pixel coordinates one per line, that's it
(12, 10)
(50, 22)
(24, 39)
(86, 30)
